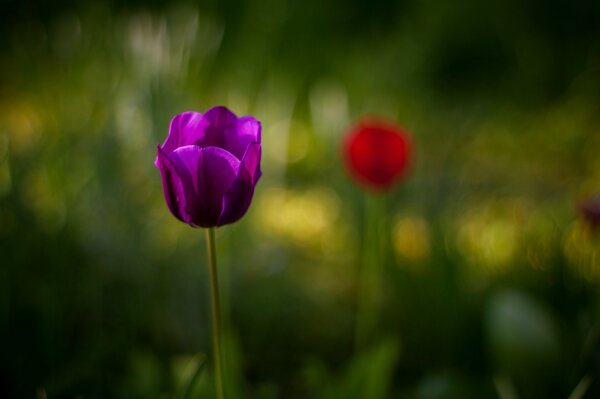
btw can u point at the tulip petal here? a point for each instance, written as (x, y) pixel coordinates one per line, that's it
(218, 127)
(238, 137)
(209, 173)
(251, 161)
(239, 196)
(220, 117)
(220, 120)
(173, 187)
(185, 129)
(229, 132)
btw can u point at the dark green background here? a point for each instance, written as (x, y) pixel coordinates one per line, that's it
(491, 274)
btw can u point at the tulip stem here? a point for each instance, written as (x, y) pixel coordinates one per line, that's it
(217, 332)
(370, 275)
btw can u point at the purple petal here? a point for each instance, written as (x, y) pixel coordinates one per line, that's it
(239, 196)
(220, 117)
(173, 187)
(251, 161)
(229, 132)
(238, 137)
(218, 127)
(185, 129)
(225, 130)
(207, 174)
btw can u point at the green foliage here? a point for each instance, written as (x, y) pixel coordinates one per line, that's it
(369, 375)
(491, 275)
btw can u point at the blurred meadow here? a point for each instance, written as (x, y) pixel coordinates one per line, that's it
(492, 273)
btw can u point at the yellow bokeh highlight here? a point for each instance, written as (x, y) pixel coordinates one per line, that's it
(24, 126)
(310, 221)
(488, 237)
(307, 218)
(411, 238)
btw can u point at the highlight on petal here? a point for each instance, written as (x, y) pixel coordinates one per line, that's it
(185, 129)
(249, 127)
(251, 161)
(209, 172)
(239, 196)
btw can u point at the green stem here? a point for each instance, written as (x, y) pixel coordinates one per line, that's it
(215, 311)
(369, 276)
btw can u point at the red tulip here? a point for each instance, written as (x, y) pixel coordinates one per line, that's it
(377, 154)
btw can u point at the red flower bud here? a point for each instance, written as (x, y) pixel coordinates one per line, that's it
(377, 154)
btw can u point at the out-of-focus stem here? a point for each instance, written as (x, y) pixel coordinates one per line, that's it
(370, 275)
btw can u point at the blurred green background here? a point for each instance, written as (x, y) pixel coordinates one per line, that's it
(491, 275)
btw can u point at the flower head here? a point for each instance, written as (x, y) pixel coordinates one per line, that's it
(210, 164)
(376, 153)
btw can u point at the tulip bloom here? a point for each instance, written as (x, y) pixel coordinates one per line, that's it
(210, 164)
(376, 154)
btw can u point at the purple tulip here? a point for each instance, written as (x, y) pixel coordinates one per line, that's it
(209, 166)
